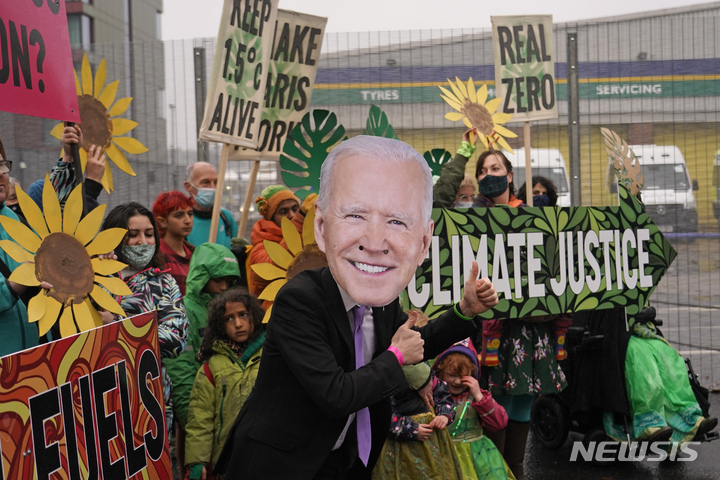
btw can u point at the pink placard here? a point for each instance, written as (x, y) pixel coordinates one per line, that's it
(36, 71)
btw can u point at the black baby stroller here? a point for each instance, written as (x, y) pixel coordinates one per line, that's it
(595, 369)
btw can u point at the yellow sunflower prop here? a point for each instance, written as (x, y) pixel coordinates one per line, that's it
(62, 250)
(303, 254)
(475, 110)
(99, 128)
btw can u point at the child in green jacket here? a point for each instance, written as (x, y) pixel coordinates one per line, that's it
(231, 352)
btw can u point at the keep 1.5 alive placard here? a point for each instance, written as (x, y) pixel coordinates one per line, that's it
(291, 76)
(234, 102)
(86, 406)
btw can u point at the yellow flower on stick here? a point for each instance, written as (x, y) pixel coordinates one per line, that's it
(475, 110)
(100, 122)
(302, 254)
(63, 250)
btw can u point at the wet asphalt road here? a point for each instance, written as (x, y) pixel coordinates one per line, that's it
(544, 464)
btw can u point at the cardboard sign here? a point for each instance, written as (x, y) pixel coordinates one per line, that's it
(86, 406)
(525, 66)
(545, 260)
(36, 71)
(293, 65)
(234, 102)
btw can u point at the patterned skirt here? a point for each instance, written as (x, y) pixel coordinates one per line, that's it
(433, 459)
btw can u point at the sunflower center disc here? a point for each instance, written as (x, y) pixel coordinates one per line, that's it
(63, 262)
(96, 125)
(479, 117)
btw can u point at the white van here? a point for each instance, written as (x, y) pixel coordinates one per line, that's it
(668, 191)
(545, 162)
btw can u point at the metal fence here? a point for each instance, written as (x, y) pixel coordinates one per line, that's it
(654, 78)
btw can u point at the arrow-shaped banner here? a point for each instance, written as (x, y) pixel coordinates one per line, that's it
(545, 260)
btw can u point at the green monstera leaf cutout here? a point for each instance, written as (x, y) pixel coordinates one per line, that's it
(378, 124)
(306, 148)
(436, 158)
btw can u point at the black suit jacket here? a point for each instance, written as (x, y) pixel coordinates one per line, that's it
(307, 385)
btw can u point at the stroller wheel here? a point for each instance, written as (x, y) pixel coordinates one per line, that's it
(551, 421)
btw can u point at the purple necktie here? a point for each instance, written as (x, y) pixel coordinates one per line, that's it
(362, 418)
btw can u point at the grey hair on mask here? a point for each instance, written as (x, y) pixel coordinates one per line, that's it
(385, 149)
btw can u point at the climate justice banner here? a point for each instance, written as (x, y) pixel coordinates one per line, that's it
(86, 406)
(36, 70)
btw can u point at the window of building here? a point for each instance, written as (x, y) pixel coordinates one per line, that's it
(81, 30)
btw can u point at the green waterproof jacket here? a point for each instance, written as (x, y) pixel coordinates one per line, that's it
(210, 260)
(214, 403)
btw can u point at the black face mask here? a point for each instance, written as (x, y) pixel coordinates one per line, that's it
(15, 208)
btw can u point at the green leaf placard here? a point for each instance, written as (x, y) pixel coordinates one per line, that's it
(306, 148)
(378, 124)
(545, 260)
(436, 158)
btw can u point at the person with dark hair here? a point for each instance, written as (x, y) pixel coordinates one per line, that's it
(153, 289)
(230, 355)
(174, 216)
(519, 352)
(543, 190)
(494, 174)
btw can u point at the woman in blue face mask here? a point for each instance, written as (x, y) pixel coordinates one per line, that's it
(153, 288)
(543, 190)
(495, 181)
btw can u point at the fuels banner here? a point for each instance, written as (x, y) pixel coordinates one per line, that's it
(86, 406)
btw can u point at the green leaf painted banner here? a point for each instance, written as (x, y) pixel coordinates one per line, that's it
(532, 256)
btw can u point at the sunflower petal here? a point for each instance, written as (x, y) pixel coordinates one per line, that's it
(32, 212)
(504, 131)
(266, 318)
(83, 159)
(106, 301)
(52, 311)
(107, 178)
(16, 252)
(130, 144)
(458, 93)
(454, 116)
(270, 292)
(291, 236)
(467, 122)
(36, 307)
(308, 232)
(492, 105)
(73, 211)
(78, 88)
(106, 241)
(20, 233)
(484, 141)
(84, 318)
(24, 274)
(120, 107)
(457, 106)
(87, 82)
(504, 144)
(121, 126)
(118, 157)
(100, 77)
(501, 117)
(461, 86)
(107, 97)
(57, 130)
(51, 207)
(97, 319)
(107, 266)
(278, 254)
(89, 226)
(482, 94)
(268, 271)
(449, 94)
(472, 95)
(67, 324)
(114, 285)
